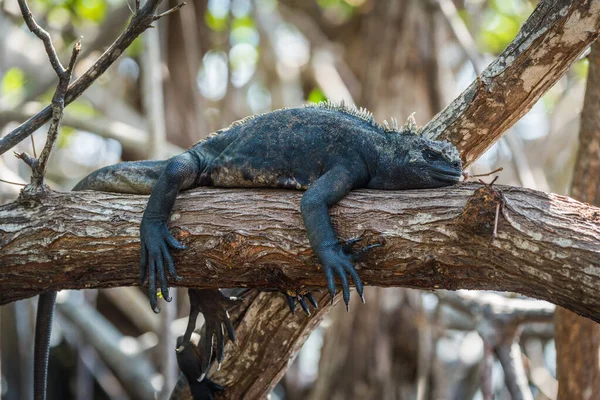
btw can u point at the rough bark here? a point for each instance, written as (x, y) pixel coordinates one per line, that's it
(578, 339)
(547, 246)
(549, 42)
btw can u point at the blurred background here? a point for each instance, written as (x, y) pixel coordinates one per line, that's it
(220, 60)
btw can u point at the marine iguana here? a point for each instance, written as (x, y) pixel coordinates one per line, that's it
(327, 149)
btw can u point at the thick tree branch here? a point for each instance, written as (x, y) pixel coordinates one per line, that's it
(547, 247)
(553, 37)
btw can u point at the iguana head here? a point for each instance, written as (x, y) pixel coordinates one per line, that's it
(430, 163)
(411, 161)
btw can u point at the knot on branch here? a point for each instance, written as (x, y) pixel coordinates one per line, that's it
(480, 214)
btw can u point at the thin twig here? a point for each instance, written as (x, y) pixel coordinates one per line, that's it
(58, 107)
(467, 176)
(13, 183)
(27, 159)
(496, 221)
(44, 37)
(169, 11)
(33, 146)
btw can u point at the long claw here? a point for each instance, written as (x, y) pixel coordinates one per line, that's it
(304, 305)
(358, 256)
(170, 264)
(208, 345)
(351, 242)
(291, 303)
(312, 300)
(345, 286)
(357, 282)
(191, 325)
(230, 329)
(220, 344)
(330, 283)
(172, 242)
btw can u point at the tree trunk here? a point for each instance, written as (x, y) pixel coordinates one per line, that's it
(577, 338)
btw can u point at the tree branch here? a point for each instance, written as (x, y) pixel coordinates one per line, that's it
(553, 37)
(44, 37)
(547, 246)
(138, 24)
(133, 139)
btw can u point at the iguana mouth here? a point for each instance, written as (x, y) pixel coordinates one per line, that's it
(447, 175)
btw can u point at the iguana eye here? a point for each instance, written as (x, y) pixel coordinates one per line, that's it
(430, 155)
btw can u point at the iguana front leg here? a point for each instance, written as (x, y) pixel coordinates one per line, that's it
(180, 173)
(324, 193)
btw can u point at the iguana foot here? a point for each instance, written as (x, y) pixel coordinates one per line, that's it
(292, 297)
(338, 259)
(213, 305)
(156, 259)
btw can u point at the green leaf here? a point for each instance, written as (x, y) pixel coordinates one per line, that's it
(316, 95)
(217, 24)
(81, 108)
(13, 85)
(93, 10)
(580, 68)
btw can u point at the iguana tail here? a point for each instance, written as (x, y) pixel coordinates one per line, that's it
(43, 331)
(134, 177)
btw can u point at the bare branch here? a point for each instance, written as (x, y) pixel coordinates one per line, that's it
(169, 11)
(141, 21)
(58, 108)
(44, 37)
(133, 139)
(13, 183)
(511, 359)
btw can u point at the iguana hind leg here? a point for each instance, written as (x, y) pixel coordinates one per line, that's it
(213, 305)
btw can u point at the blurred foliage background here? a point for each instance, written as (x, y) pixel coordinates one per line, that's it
(221, 60)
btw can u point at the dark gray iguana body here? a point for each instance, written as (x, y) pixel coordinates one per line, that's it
(327, 150)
